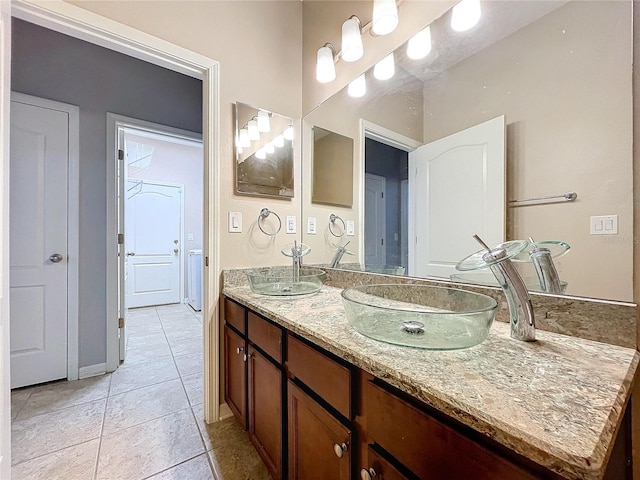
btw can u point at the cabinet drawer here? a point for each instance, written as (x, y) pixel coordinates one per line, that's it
(234, 315)
(326, 377)
(376, 467)
(266, 335)
(429, 448)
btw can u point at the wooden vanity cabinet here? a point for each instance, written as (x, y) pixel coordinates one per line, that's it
(235, 374)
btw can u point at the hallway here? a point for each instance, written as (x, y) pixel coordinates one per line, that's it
(144, 421)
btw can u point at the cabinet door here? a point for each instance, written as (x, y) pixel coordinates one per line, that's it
(376, 467)
(319, 445)
(235, 374)
(265, 410)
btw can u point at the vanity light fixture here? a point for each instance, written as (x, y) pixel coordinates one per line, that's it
(243, 137)
(352, 48)
(385, 68)
(419, 45)
(358, 87)
(385, 17)
(263, 121)
(254, 133)
(465, 15)
(325, 64)
(288, 133)
(279, 141)
(269, 148)
(261, 154)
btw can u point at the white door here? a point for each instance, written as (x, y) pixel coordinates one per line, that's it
(457, 185)
(374, 220)
(38, 240)
(153, 232)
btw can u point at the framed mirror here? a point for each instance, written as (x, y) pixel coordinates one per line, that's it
(263, 152)
(561, 75)
(332, 168)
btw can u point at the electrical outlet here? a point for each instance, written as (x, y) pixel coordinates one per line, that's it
(351, 228)
(235, 222)
(190, 237)
(311, 225)
(291, 223)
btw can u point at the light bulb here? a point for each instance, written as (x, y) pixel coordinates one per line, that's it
(465, 15)
(288, 133)
(254, 133)
(385, 68)
(245, 141)
(261, 154)
(358, 87)
(263, 121)
(352, 48)
(385, 16)
(269, 148)
(279, 141)
(419, 45)
(325, 67)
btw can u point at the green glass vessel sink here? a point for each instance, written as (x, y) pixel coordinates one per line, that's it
(282, 281)
(422, 316)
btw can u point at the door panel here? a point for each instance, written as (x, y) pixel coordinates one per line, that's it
(375, 220)
(38, 229)
(459, 189)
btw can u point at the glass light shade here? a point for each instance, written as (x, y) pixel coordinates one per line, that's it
(263, 121)
(261, 154)
(279, 141)
(465, 15)
(243, 136)
(385, 16)
(325, 68)
(254, 133)
(419, 45)
(269, 148)
(358, 87)
(288, 133)
(385, 68)
(352, 48)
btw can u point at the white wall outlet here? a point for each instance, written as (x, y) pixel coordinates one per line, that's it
(351, 228)
(311, 225)
(603, 225)
(291, 223)
(190, 237)
(235, 222)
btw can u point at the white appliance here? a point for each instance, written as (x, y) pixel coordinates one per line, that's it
(195, 279)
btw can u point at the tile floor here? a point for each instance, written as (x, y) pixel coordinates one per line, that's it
(144, 421)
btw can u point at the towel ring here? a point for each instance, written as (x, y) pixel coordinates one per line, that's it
(264, 213)
(332, 220)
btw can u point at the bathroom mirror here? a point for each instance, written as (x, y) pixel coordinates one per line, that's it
(561, 74)
(263, 152)
(332, 168)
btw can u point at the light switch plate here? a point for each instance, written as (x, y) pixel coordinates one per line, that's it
(190, 237)
(351, 228)
(235, 222)
(291, 223)
(311, 225)
(603, 225)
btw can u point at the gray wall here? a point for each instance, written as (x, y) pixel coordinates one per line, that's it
(58, 67)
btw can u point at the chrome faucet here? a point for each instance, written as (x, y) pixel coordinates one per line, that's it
(340, 251)
(522, 321)
(545, 268)
(296, 256)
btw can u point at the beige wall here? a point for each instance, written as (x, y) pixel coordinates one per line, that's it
(258, 45)
(559, 139)
(332, 169)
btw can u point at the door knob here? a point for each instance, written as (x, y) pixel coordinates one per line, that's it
(367, 474)
(130, 254)
(55, 258)
(175, 250)
(340, 449)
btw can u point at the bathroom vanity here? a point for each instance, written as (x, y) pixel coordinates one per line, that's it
(319, 400)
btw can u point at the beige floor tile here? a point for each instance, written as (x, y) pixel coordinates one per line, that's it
(144, 328)
(189, 364)
(54, 431)
(18, 400)
(142, 374)
(155, 352)
(59, 395)
(73, 463)
(138, 406)
(193, 331)
(195, 469)
(152, 447)
(178, 324)
(146, 340)
(186, 346)
(173, 308)
(193, 384)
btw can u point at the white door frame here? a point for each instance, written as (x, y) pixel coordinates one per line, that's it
(79, 23)
(73, 221)
(388, 137)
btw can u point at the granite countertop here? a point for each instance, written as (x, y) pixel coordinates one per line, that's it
(557, 401)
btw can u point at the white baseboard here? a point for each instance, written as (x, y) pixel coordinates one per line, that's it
(225, 411)
(92, 370)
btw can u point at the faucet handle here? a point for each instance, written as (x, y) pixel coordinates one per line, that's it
(295, 249)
